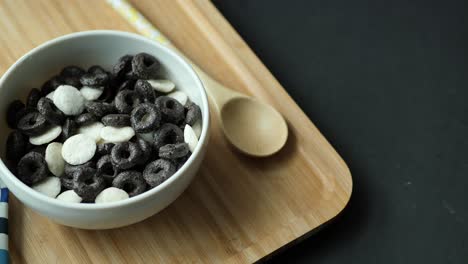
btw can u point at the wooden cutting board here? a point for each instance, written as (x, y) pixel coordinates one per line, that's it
(238, 209)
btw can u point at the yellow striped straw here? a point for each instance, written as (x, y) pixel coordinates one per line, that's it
(138, 21)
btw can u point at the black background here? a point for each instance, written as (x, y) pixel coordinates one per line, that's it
(386, 82)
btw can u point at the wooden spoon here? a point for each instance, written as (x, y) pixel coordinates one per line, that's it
(253, 127)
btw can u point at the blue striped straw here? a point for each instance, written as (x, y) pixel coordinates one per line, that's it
(4, 256)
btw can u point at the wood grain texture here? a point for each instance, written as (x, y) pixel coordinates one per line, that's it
(238, 209)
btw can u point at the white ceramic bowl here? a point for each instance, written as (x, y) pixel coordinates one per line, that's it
(101, 48)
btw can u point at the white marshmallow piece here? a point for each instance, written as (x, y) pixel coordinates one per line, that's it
(111, 194)
(46, 137)
(197, 128)
(117, 134)
(69, 100)
(78, 149)
(148, 137)
(50, 95)
(91, 93)
(190, 137)
(179, 96)
(50, 186)
(92, 130)
(54, 159)
(69, 196)
(163, 86)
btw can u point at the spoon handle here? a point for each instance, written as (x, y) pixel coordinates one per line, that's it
(218, 93)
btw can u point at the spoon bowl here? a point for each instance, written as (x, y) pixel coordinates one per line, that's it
(253, 127)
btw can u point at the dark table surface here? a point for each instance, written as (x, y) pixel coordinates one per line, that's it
(387, 83)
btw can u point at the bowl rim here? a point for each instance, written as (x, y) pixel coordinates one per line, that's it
(5, 172)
